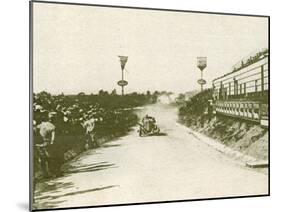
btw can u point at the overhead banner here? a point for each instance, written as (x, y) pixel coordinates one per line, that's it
(123, 61)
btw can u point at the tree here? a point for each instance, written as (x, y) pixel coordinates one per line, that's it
(81, 94)
(101, 92)
(113, 92)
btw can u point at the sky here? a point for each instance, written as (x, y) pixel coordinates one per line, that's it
(76, 48)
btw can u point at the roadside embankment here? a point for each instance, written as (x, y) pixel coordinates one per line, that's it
(247, 137)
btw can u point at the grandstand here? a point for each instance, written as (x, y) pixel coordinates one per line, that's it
(244, 92)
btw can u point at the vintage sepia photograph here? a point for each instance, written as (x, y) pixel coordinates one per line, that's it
(139, 105)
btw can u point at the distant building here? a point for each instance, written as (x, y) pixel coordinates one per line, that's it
(244, 92)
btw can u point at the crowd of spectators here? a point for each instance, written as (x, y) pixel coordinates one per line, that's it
(251, 59)
(80, 121)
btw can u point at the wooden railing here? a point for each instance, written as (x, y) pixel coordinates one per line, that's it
(249, 110)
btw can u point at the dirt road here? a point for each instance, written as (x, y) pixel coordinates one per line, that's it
(144, 169)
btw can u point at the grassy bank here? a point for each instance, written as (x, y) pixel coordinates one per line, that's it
(245, 136)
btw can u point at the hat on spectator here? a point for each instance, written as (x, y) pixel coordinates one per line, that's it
(65, 119)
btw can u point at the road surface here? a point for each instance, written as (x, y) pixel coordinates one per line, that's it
(134, 169)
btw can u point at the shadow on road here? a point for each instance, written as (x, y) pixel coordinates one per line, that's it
(155, 135)
(49, 188)
(161, 134)
(110, 145)
(46, 205)
(53, 197)
(89, 168)
(52, 187)
(48, 194)
(49, 201)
